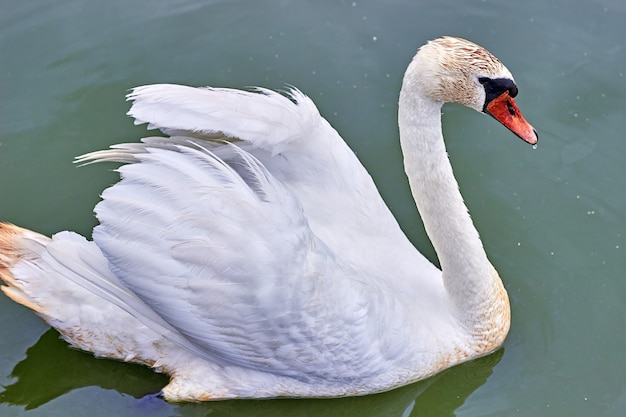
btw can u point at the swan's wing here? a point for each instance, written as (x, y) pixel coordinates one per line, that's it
(285, 132)
(230, 262)
(300, 149)
(264, 118)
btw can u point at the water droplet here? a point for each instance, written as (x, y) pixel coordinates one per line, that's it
(535, 146)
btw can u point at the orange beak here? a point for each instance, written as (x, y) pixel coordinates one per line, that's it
(504, 110)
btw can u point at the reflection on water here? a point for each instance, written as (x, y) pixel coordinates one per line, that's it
(52, 369)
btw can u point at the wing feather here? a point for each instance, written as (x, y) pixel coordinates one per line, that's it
(231, 263)
(254, 230)
(265, 118)
(296, 145)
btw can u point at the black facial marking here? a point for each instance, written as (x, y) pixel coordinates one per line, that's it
(495, 87)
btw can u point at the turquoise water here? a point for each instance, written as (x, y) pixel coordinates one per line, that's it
(553, 220)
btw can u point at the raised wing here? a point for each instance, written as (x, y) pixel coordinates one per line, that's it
(266, 119)
(301, 150)
(229, 260)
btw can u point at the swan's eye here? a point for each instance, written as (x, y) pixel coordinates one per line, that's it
(483, 80)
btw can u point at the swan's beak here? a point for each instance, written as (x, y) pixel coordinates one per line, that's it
(504, 109)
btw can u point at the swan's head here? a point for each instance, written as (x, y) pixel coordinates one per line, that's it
(455, 70)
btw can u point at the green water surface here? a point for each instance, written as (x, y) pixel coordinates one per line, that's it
(553, 220)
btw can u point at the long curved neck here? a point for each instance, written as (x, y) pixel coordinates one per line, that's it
(468, 276)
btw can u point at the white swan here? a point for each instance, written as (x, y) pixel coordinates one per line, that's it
(250, 255)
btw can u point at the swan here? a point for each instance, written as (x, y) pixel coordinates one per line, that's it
(248, 254)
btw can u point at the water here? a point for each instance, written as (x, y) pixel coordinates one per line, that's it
(553, 220)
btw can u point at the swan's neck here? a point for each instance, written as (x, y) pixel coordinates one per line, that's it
(471, 282)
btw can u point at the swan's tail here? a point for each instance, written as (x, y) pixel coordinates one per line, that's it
(20, 248)
(66, 281)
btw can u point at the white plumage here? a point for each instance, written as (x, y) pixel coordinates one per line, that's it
(249, 254)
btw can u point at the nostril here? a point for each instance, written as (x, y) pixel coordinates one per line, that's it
(511, 109)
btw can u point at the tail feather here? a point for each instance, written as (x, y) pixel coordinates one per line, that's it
(66, 281)
(19, 248)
